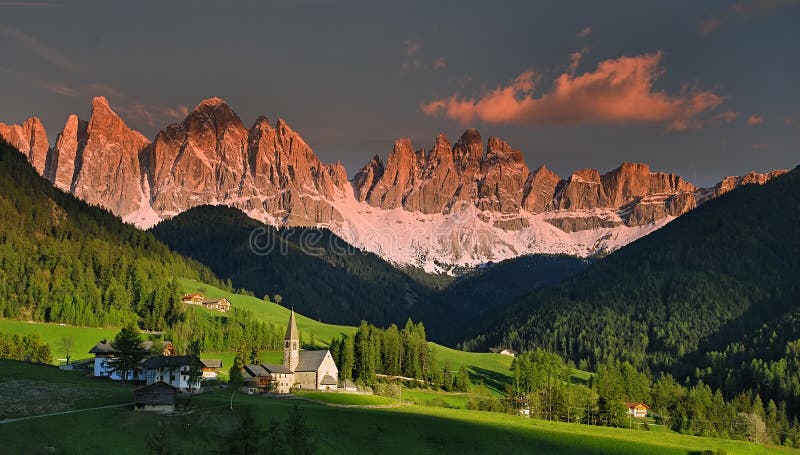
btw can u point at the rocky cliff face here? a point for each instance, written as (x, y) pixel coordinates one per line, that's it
(31, 139)
(452, 205)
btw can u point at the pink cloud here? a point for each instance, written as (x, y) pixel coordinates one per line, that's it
(439, 63)
(585, 32)
(617, 91)
(754, 120)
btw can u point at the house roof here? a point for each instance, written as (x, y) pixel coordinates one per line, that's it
(291, 329)
(636, 404)
(191, 296)
(310, 360)
(167, 361)
(277, 369)
(347, 384)
(155, 386)
(328, 380)
(255, 371)
(211, 363)
(106, 347)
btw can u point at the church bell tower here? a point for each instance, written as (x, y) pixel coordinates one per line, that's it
(291, 345)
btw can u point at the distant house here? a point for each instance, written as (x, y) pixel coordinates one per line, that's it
(173, 370)
(217, 304)
(504, 351)
(193, 299)
(264, 378)
(104, 352)
(211, 368)
(637, 410)
(156, 397)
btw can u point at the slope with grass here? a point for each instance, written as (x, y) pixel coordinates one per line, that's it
(83, 338)
(492, 369)
(406, 429)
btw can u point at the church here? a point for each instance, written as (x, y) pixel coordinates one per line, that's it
(301, 369)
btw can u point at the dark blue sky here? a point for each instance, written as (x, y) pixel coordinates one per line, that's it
(353, 76)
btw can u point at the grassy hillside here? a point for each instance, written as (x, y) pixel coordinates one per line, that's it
(83, 338)
(493, 369)
(406, 429)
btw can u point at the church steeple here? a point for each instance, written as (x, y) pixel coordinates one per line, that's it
(291, 344)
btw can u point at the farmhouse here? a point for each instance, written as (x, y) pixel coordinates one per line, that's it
(308, 370)
(193, 299)
(210, 368)
(173, 370)
(637, 410)
(104, 352)
(218, 304)
(157, 397)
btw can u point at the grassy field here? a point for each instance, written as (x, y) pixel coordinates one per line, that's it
(425, 397)
(406, 429)
(83, 338)
(349, 399)
(40, 389)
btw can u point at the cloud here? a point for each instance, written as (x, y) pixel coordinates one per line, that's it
(412, 46)
(154, 115)
(48, 54)
(574, 61)
(617, 91)
(585, 32)
(743, 10)
(754, 120)
(413, 60)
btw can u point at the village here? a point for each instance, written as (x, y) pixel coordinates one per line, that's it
(165, 375)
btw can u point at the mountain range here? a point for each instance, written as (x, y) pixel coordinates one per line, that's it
(452, 206)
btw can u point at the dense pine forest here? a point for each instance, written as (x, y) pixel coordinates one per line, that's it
(64, 261)
(712, 298)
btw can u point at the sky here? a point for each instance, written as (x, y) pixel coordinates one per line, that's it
(701, 89)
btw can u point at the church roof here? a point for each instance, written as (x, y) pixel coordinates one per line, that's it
(328, 380)
(291, 329)
(310, 360)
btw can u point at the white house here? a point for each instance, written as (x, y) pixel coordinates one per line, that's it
(104, 352)
(172, 370)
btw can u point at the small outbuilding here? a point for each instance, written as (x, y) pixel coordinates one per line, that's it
(156, 397)
(504, 351)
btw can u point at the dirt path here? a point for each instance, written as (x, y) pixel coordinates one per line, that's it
(62, 412)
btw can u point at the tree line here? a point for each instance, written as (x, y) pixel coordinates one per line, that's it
(545, 384)
(396, 353)
(27, 348)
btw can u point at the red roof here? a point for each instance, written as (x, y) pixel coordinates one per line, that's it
(636, 404)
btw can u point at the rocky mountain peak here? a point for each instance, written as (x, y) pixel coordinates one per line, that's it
(30, 138)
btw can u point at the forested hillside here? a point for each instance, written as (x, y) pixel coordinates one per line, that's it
(714, 295)
(325, 278)
(64, 261)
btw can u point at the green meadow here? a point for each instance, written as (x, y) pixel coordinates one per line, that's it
(83, 338)
(336, 429)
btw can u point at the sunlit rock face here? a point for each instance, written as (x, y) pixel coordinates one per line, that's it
(451, 205)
